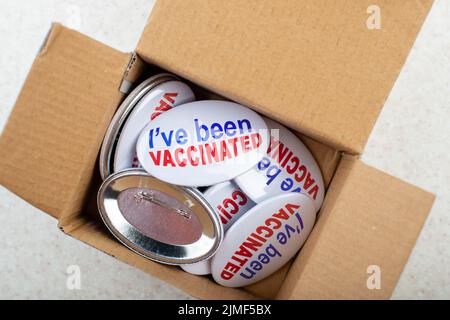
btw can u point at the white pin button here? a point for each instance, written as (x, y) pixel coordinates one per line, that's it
(288, 167)
(203, 143)
(229, 201)
(263, 240)
(160, 99)
(230, 204)
(199, 268)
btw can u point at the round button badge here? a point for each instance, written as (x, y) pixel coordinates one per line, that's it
(203, 143)
(263, 240)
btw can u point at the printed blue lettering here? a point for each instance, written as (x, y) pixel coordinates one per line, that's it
(241, 125)
(264, 258)
(281, 237)
(199, 129)
(167, 139)
(150, 137)
(230, 128)
(181, 136)
(289, 230)
(263, 164)
(299, 218)
(216, 131)
(272, 173)
(250, 274)
(272, 251)
(256, 265)
(287, 184)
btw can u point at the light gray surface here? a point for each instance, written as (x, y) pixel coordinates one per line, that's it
(411, 140)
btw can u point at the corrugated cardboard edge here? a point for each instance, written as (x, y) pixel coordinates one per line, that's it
(134, 70)
(386, 216)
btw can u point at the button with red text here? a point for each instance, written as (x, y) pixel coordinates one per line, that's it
(263, 240)
(163, 97)
(288, 167)
(230, 204)
(203, 143)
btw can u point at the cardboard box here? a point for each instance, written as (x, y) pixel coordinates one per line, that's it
(312, 65)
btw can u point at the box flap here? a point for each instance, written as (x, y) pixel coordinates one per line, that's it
(312, 64)
(50, 143)
(386, 216)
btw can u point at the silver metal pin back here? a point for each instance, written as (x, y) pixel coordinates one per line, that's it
(142, 195)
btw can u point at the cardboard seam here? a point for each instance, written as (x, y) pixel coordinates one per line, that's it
(73, 223)
(130, 75)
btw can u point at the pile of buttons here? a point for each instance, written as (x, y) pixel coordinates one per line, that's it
(209, 185)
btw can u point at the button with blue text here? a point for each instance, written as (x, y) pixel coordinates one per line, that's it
(263, 240)
(203, 143)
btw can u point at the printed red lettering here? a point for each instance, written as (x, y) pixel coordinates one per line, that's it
(156, 160)
(178, 152)
(252, 244)
(168, 159)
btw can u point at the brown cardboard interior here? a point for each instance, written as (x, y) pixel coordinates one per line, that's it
(61, 178)
(49, 145)
(315, 59)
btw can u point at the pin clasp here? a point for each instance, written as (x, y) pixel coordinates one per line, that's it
(142, 195)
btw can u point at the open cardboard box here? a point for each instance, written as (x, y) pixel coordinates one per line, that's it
(312, 65)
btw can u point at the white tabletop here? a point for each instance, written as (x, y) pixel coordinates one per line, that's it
(411, 140)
